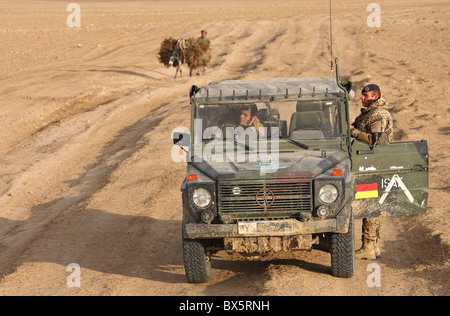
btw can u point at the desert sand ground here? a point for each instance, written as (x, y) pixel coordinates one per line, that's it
(86, 118)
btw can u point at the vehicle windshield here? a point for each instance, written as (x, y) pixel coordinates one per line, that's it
(299, 121)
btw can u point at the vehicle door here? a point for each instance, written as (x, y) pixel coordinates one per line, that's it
(390, 179)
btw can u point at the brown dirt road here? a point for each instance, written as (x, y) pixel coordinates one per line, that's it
(86, 118)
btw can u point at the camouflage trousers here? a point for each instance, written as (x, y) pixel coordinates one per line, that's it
(371, 228)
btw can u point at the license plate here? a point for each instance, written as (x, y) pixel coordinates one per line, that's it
(265, 227)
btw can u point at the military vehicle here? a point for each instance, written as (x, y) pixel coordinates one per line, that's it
(293, 179)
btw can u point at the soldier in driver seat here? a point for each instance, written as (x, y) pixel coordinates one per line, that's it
(248, 118)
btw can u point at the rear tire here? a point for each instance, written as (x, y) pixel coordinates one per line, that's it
(343, 252)
(196, 263)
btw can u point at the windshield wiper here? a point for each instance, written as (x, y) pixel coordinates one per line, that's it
(301, 145)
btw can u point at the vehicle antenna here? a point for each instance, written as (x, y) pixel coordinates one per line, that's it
(331, 43)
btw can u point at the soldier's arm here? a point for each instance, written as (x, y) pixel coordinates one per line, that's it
(376, 135)
(361, 136)
(378, 128)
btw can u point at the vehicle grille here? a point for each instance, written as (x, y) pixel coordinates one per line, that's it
(251, 200)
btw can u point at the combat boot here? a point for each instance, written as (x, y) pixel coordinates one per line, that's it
(367, 251)
(377, 249)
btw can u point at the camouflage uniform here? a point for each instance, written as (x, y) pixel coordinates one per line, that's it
(373, 126)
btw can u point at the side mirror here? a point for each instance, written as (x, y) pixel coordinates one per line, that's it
(351, 94)
(348, 86)
(194, 89)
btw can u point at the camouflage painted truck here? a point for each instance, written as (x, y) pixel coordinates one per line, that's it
(295, 181)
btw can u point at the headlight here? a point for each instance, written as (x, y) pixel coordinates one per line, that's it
(328, 193)
(201, 197)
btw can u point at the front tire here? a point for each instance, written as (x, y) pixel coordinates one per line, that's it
(343, 252)
(196, 263)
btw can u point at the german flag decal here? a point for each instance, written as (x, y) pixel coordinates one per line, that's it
(365, 191)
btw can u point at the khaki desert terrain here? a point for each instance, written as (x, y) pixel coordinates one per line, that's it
(87, 113)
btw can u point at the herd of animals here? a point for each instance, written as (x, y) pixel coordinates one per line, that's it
(194, 52)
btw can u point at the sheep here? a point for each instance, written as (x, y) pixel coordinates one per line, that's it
(193, 52)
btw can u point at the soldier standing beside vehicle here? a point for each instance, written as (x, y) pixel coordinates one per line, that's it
(373, 126)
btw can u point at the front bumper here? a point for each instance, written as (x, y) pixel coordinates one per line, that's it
(287, 227)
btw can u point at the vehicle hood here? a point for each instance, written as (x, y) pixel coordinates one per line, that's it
(297, 164)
